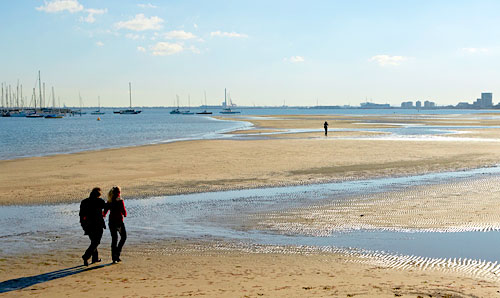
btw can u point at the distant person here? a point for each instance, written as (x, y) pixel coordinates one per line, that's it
(325, 125)
(92, 223)
(117, 211)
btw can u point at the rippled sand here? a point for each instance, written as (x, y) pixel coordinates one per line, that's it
(470, 205)
(182, 269)
(219, 269)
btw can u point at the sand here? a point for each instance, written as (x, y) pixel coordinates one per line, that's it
(183, 268)
(211, 165)
(179, 270)
(469, 205)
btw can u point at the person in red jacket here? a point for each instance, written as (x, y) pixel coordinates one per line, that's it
(117, 211)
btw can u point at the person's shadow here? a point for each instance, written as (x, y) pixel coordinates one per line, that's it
(24, 282)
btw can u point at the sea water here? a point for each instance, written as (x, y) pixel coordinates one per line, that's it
(24, 137)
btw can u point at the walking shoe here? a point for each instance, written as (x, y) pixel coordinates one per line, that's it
(85, 261)
(96, 261)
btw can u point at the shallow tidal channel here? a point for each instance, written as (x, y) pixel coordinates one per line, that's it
(231, 216)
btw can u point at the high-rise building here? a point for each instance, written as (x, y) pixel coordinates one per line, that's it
(418, 104)
(486, 100)
(407, 105)
(429, 104)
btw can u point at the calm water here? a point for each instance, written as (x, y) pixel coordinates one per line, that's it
(226, 215)
(23, 137)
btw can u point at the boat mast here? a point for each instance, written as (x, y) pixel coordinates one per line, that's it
(40, 88)
(53, 99)
(44, 97)
(34, 98)
(225, 100)
(130, 93)
(17, 95)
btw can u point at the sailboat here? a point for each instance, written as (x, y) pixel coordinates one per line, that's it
(226, 109)
(98, 111)
(54, 115)
(80, 111)
(34, 114)
(205, 112)
(130, 111)
(177, 110)
(187, 112)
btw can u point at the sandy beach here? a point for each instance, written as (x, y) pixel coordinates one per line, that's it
(282, 159)
(255, 159)
(180, 269)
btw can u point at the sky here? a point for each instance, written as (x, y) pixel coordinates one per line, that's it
(266, 53)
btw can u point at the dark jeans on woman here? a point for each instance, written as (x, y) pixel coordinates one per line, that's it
(115, 229)
(95, 236)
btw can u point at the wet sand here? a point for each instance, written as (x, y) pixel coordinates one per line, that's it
(173, 269)
(211, 165)
(463, 206)
(184, 269)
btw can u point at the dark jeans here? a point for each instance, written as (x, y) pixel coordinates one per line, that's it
(326, 131)
(95, 236)
(115, 229)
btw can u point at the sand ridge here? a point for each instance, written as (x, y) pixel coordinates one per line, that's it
(211, 165)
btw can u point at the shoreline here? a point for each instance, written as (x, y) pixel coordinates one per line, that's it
(241, 163)
(189, 267)
(221, 133)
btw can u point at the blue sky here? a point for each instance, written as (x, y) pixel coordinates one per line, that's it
(263, 52)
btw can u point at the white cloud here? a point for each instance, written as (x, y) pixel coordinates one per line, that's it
(194, 49)
(179, 34)
(165, 48)
(475, 50)
(61, 5)
(195, 26)
(134, 36)
(99, 43)
(91, 12)
(228, 34)
(141, 49)
(296, 59)
(147, 5)
(384, 60)
(141, 23)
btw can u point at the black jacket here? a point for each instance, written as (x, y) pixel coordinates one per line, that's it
(91, 214)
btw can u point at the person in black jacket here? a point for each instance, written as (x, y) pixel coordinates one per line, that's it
(92, 221)
(325, 126)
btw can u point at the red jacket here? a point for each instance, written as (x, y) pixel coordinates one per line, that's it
(116, 211)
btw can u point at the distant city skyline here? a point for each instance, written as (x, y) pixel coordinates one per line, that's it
(266, 53)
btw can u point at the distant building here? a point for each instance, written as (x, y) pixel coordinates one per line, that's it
(369, 105)
(418, 104)
(429, 104)
(486, 100)
(463, 105)
(407, 105)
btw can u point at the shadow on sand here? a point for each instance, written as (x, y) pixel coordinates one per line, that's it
(24, 282)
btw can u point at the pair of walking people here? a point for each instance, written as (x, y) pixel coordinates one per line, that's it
(93, 210)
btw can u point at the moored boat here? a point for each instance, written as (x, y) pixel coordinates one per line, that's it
(129, 111)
